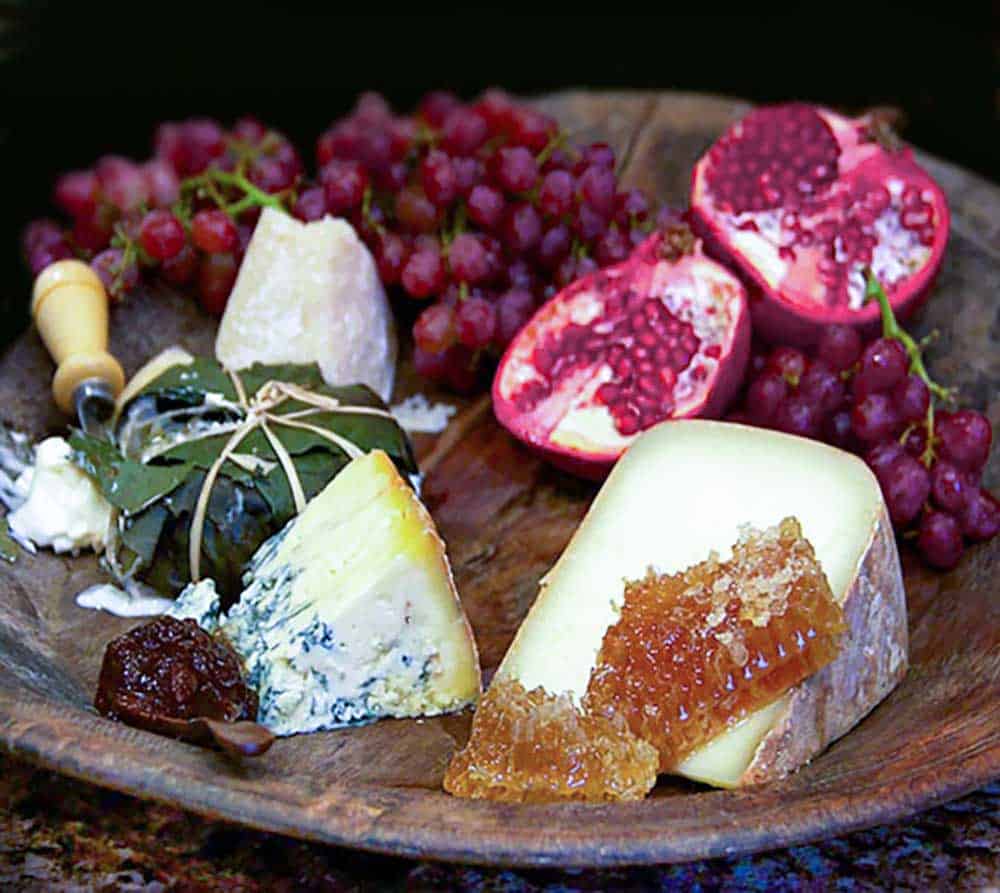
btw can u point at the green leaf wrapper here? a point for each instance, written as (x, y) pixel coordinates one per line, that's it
(173, 431)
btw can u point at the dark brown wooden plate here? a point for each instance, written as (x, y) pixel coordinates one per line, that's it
(506, 517)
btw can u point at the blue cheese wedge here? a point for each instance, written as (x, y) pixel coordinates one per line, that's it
(350, 613)
(684, 489)
(310, 292)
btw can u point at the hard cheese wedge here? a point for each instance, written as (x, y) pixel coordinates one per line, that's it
(310, 292)
(683, 490)
(350, 613)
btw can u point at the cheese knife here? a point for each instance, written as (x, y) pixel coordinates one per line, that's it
(70, 308)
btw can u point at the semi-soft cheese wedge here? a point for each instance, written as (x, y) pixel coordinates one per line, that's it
(310, 292)
(350, 613)
(682, 490)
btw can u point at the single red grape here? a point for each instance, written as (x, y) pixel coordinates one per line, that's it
(789, 363)
(435, 329)
(311, 204)
(464, 130)
(823, 386)
(216, 276)
(555, 245)
(765, 394)
(423, 273)
(391, 252)
(76, 192)
(874, 418)
(249, 130)
(839, 347)
(496, 107)
(950, 486)
(598, 155)
(837, 430)
(532, 129)
(432, 366)
(515, 169)
(522, 228)
(118, 277)
(940, 540)
(912, 398)
(122, 182)
(469, 172)
(213, 231)
(270, 175)
(588, 224)
(556, 194)
(797, 415)
(476, 321)
(485, 206)
(182, 267)
(438, 177)
(980, 516)
(906, 485)
(415, 212)
(468, 259)
(597, 188)
(162, 234)
(884, 364)
(514, 308)
(436, 105)
(964, 438)
(344, 183)
(162, 181)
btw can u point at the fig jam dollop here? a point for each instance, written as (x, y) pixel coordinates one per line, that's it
(169, 670)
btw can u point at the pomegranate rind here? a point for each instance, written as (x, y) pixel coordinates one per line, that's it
(777, 316)
(648, 275)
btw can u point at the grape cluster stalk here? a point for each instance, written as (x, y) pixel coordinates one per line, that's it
(878, 400)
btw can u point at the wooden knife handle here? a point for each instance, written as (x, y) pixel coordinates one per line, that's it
(70, 309)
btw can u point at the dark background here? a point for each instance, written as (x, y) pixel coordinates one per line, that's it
(79, 80)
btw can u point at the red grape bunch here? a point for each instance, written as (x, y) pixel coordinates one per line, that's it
(482, 209)
(877, 400)
(187, 213)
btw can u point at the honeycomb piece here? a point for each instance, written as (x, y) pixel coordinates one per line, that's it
(531, 746)
(693, 653)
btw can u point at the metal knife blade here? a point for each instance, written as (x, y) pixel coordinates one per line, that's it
(94, 401)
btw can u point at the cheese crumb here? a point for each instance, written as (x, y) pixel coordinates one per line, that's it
(416, 414)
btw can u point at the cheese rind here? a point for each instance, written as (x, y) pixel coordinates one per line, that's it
(683, 490)
(310, 292)
(350, 612)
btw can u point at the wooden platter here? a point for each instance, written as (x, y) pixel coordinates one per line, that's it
(506, 517)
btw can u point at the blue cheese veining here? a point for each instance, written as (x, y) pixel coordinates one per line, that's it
(350, 613)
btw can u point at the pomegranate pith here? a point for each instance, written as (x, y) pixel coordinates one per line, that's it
(802, 202)
(657, 336)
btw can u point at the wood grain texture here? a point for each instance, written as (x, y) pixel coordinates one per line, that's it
(506, 517)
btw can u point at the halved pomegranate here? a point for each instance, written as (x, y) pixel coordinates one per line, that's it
(664, 334)
(802, 201)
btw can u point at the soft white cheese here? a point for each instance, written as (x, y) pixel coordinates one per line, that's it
(681, 491)
(64, 510)
(350, 613)
(107, 597)
(310, 292)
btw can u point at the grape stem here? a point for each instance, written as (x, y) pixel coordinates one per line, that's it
(914, 350)
(213, 177)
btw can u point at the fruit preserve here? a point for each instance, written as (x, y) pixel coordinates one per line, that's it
(695, 652)
(533, 746)
(168, 670)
